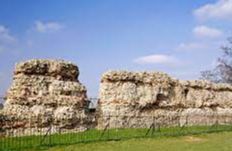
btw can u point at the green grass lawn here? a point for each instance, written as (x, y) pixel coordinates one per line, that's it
(204, 142)
(124, 139)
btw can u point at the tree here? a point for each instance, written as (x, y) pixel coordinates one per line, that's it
(223, 70)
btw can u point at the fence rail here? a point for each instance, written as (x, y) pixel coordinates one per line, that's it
(37, 135)
(1, 102)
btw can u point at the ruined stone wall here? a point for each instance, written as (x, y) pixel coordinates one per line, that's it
(47, 94)
(136, 99)
(44, 94)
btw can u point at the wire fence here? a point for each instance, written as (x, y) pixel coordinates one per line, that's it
(29, 134)
(1, 102)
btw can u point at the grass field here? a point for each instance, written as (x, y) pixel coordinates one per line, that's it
(174, 138)
(204, 142)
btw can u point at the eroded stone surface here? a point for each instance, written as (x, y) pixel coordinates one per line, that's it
(156, 95)
(43, 94)
(47, 94)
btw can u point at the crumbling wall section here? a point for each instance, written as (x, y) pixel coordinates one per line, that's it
(139, 98)
(45, 94)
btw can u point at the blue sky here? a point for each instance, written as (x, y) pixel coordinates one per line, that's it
(179, 37)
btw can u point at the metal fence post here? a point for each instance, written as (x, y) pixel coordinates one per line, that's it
(50, 132)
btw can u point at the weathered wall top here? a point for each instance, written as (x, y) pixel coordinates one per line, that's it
(56, 68)
(137, 77)
(160, 78)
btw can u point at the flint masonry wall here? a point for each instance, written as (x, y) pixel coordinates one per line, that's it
(136, 99)
(45, 93)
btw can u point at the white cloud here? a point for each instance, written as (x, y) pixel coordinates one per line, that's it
(5, 36)
(7, 41)
(45, 27)
(157, 59)
(192, 46)
(222, 9)
(207, 32)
